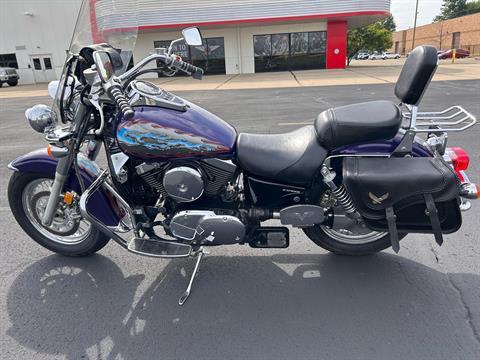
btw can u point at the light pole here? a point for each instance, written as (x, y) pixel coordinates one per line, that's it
(415, 26)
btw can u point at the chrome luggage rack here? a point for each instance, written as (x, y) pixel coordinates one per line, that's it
(453, 119)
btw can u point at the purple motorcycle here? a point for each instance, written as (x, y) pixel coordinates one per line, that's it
(180, 179)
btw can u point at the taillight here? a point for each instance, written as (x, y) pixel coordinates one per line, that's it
(460, 158)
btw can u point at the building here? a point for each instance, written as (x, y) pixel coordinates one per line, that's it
(458, 33)
(239, 36)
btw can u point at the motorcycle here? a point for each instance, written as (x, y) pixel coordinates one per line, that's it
(179, 179)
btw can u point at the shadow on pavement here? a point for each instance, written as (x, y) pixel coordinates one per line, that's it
(279, 307)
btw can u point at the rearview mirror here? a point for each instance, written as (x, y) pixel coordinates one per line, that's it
(192, 36)
(104, 65)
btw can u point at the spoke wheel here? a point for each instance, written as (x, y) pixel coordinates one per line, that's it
(68, 227)
(346, 236)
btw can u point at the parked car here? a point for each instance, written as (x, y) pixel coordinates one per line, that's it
(362, 55)
(384, 56)
(9, 76)
(448, 54)
(390, 55)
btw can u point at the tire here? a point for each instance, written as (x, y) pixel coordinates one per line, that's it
(92, 241)
(12, 83)
(325, 241)
(1, 84)
(367, 242)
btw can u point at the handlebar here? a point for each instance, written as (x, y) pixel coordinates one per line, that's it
(171, 61)
(116, 93)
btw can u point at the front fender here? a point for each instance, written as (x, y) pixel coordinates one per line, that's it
(102, 204)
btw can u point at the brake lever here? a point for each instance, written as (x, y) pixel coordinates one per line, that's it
(94, 101)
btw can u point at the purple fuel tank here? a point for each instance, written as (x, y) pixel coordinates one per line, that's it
(161, 134)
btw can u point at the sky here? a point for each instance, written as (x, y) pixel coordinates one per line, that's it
(404, 12)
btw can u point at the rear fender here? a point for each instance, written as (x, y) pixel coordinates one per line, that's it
(383, 147)
(102, 204)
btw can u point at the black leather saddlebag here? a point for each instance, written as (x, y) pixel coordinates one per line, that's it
(404, 195)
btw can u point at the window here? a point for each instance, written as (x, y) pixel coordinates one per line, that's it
(180, 48)
(216, 48)
(36, 64)
(302, 50)
(280, 44)
(262, 45)
(199, 52)
(317, 42)
(8, 60)
(298, 43)
(48, 63)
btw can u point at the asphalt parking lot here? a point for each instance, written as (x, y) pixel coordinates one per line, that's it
(297, 303)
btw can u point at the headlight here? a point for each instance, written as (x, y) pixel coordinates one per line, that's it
(40, 117)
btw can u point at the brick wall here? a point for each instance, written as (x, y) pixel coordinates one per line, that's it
(440, 35)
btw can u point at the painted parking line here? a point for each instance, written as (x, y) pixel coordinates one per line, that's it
(295, 123)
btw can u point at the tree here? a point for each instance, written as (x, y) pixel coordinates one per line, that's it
(455, 8)
(473, 7)
(374, 37)
(389, 23)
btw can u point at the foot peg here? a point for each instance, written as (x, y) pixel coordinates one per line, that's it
(159, 248)
(186, 294)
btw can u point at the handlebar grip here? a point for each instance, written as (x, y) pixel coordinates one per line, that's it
(196, 72)
(121, 101)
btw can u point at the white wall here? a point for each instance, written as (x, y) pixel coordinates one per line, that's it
(239, 54)
(48, 31)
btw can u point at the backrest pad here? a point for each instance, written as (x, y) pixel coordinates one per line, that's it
(416, 74)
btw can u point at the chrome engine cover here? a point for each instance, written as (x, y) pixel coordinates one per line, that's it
(184, 184)
(207, 228)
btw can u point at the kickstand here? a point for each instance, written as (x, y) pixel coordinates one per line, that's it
(186, 294)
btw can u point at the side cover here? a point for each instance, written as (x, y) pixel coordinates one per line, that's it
(102, 204)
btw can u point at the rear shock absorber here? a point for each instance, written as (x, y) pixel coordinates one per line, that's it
(340, 193)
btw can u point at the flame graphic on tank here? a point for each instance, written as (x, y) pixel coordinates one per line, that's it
(146, 139)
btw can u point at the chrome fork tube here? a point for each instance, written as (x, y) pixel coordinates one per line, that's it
(63, 168)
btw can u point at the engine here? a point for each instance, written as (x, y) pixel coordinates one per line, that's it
(189, 182)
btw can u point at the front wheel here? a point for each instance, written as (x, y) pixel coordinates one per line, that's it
(347, 236)
(12, 83)
(69, 234)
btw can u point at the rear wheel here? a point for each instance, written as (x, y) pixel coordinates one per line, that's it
(347, 236)
(69, 234)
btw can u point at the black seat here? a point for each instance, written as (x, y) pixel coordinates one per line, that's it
(291, 158)
(358, 123)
